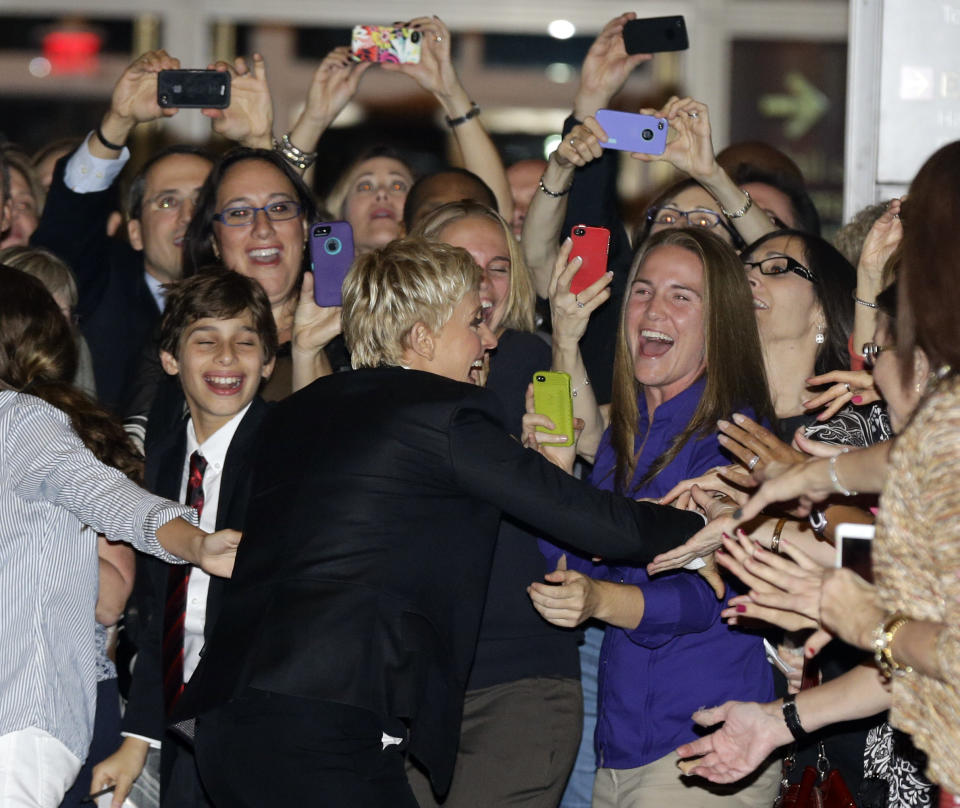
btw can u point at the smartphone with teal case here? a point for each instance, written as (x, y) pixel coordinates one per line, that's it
(551, 397)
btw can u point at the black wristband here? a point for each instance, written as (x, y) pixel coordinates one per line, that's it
(471, 113)
(791, 718)
(105, 142)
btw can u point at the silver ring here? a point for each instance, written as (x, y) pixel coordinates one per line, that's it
(848, 388)
(694, 114)
(438, 38)
(572, 141)
(579, 305)
(753, 462)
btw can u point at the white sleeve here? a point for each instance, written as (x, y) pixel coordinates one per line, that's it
(86, 174)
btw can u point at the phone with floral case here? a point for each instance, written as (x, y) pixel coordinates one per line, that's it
(386, 43)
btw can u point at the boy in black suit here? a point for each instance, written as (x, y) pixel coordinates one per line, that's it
(218, 336)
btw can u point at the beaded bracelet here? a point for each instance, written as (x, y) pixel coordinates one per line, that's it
(741, 211)
(835, 479)
(554, 194)
(293, 155)
(471, 113)
(883, 636)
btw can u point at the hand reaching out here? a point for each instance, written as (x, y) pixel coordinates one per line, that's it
(249, 118)
(753, 445)
(845, 386)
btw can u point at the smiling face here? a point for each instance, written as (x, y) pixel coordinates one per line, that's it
(484, 239)
(664, 322)
(169, 193)
(220, 364)
(786, 304)
(24, 216)
(374, 203)
(270, 252)
(458, 349)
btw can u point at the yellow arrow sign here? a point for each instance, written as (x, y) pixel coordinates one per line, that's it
(802, 107)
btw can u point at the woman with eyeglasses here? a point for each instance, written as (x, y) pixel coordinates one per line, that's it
(252, 216)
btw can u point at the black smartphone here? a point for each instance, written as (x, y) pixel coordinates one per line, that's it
(655, 35)
(206, 89)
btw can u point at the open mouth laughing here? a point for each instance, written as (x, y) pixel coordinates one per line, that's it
(654, 343)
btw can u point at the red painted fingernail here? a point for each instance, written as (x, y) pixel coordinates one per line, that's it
(741, 608)
(727, 536)
(857, 399)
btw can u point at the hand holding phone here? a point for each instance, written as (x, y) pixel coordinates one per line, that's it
(854, 544)
(552, 397)
(592, 246)
(200, 89)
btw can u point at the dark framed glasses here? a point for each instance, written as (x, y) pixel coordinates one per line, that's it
(668, 216)
(279, 211)
(778, 264)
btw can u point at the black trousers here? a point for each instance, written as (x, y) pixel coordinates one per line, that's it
(265, 749)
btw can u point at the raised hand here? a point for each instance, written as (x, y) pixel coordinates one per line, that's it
(605, 68)
(435, 71)
(249, 118)
(334, 84)
(581, 145)
(690, 143)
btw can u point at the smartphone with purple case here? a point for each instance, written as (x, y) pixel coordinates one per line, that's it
(331, 254)
(630, 131)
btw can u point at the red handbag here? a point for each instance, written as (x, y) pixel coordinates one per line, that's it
(820, 787)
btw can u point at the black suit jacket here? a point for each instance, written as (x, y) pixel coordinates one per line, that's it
(117, 312)
(163, 475)
(368, 543)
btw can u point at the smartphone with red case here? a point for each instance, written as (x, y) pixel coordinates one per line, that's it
(552, 397)
(633, 132)
(592, 244)
(331, 254)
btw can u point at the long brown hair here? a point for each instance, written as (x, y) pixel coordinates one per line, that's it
(38, 356)
(928, 299)
(735, 376)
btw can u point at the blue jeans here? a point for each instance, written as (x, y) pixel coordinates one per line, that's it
(579, 791)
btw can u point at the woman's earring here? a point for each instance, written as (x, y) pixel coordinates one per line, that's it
(820, 338)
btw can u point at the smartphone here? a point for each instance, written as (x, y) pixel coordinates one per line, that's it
(207, 89)
(854, 544)
(655, 35)
(331, 254)
(592, 244)
(551, 397)
(630, 131)
(385, 43)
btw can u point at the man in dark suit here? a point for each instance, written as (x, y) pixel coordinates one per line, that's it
(349, 626)
(119, 283)
(218, 337)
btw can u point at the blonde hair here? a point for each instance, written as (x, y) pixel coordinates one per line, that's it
(518, 312)
(43, 265)
(389, 290)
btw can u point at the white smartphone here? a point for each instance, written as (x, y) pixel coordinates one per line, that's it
(854, 543)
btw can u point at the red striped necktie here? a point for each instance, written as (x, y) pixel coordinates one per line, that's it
(175, 610)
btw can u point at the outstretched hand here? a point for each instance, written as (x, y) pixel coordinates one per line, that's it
(750, 732)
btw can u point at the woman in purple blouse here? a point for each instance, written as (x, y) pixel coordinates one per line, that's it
(688, 353)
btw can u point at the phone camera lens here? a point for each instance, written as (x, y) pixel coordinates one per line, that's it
(579, 232)
(541, 378)
(332, 246)
(415, 37)
(647, 134)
